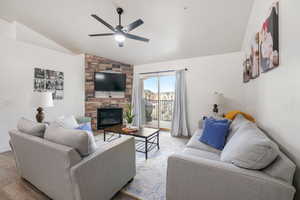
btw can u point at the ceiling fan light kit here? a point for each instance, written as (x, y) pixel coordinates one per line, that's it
(120, 33)
(119, 37)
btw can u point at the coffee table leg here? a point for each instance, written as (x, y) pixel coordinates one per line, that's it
(104, 136)
(146, 148)
(157, 140)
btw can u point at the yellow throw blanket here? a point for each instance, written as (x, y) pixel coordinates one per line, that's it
(232, 114)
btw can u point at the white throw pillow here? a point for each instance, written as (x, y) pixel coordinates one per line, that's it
(250, 148)
(67, 121)
(30, 127)
(82, 141)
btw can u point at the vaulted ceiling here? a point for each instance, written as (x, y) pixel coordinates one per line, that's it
(177, 28)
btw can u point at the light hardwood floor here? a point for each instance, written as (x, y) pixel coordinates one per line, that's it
(12, 187)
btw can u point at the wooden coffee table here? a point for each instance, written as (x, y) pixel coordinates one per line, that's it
(146, 138)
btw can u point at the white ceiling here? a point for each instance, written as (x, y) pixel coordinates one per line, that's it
(177, 28)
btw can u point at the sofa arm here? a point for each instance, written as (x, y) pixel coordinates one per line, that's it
(190, 177)
(102, 174)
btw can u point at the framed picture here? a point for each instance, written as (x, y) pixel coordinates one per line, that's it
(247, 70)
(50, 85)
(59, 84)
(254, 57)
(264, 48)
(58, 94)
(49, 80)
(60, 75)
(51, 74)
(269, 40)
(39, 85)
(39, 73)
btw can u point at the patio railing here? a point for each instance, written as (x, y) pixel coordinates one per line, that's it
(152, 110)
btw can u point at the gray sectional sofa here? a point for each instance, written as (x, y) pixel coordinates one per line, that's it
(199, 173)
(63, 174)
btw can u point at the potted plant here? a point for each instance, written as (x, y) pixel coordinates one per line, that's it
(129, 116)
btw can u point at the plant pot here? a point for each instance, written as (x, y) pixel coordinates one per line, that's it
(128, 125)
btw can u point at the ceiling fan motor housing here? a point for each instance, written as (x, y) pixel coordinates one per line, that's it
(119, 28)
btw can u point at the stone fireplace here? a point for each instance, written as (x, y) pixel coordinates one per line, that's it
(109, 117)
(92, 103)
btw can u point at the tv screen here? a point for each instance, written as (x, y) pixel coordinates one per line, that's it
(110, 82)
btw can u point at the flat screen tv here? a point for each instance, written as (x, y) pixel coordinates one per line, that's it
(110, 82)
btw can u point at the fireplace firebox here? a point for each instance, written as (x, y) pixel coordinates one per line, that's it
(109, 117)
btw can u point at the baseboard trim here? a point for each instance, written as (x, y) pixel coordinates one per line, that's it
(4, 149)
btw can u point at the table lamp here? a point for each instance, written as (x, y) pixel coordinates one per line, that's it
(217, 102)
(42, 100)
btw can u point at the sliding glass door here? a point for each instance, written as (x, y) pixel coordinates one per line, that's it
(158, 97)
(151, 99)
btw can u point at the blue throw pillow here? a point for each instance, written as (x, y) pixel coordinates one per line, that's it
(215, 133)
(215, 120)
(85, 127)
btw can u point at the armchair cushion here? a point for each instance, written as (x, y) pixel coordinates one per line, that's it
(31, 127)
(82, 141)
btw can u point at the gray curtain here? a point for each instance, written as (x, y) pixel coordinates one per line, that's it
(137, 101)
(180, 123)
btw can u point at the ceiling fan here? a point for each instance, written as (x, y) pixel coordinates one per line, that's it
(119, 32)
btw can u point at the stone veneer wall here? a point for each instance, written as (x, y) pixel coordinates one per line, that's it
(98, 64)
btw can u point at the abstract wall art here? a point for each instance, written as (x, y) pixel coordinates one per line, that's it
(269, 40)
(263, 54)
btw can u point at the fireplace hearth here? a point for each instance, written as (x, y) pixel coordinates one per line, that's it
(107, 117)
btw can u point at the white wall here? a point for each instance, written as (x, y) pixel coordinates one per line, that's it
(274, 97)
(27, 35)
(7, 29)
(205, 75)
(22, 33)
(17, 63)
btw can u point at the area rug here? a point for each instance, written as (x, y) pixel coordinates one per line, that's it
(150, 180)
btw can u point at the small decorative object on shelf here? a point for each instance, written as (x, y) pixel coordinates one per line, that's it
(129, 116)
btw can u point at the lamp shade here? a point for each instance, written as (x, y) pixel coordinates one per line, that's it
(42, 99)
(218, 98)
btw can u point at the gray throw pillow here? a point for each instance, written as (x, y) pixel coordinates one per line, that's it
(238, 122)
(82, 141)
(30, 127)
(250, 148)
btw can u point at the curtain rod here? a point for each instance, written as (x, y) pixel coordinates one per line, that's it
(185, 69)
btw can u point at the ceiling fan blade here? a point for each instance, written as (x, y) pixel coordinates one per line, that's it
(135, 37)
(102, 34)
(104, 22)
(134, 25)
